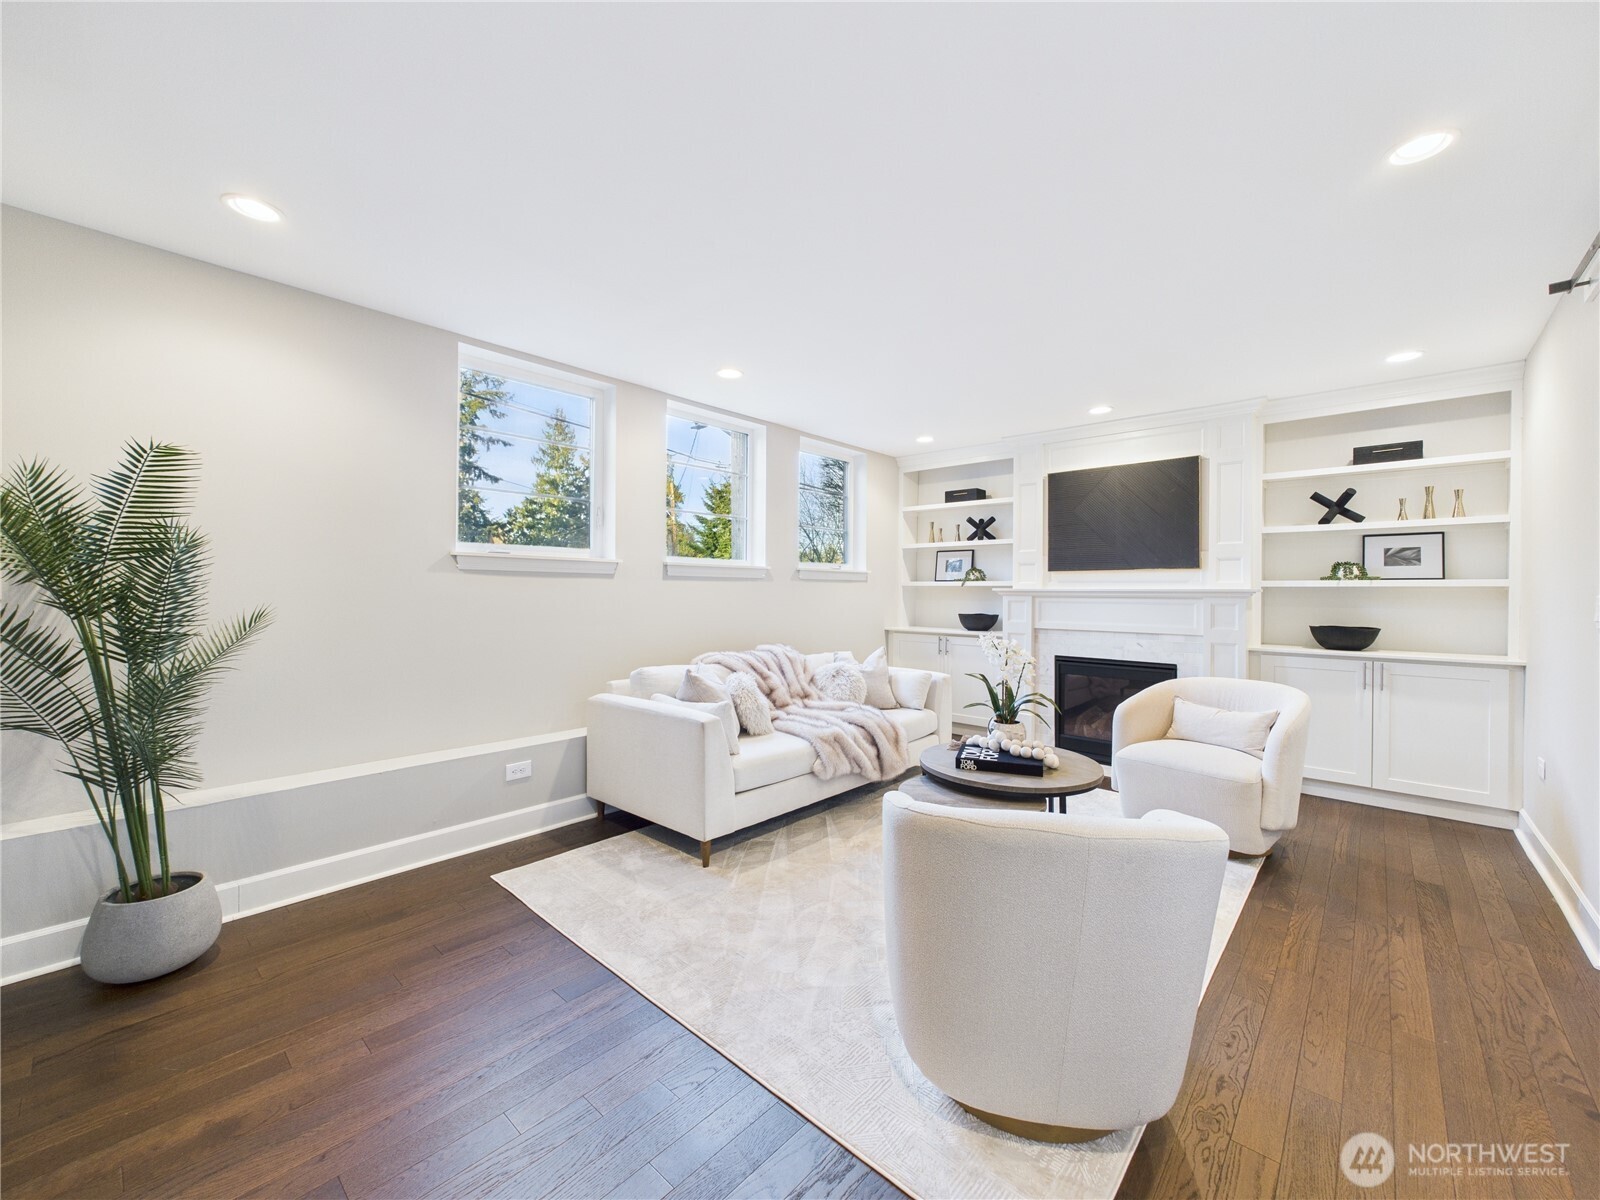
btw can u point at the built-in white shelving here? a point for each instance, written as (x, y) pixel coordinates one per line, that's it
(955, 588)
(1372, 584)
(1418, 525)
(946, 506)
(1410, 464)
(1470, 442)
(955, 545)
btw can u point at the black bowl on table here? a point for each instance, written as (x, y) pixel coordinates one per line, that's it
(1344, 637)
(977, 622)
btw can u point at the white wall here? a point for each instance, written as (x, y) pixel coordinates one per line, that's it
(1561, 448)
(328, 440)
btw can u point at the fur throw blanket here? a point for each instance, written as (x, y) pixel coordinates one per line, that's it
(848, 739)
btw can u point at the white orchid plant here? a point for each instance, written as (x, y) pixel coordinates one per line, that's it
(1009, 696)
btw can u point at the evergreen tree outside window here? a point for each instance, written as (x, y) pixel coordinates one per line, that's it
(526, 458)
(708, 509)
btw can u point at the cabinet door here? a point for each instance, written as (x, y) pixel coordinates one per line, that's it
(1443, 731)
(962, 656)
(1339, 748)
(918, 651)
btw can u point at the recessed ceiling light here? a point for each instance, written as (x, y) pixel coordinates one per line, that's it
(1403, 356)
(1099, 410)
(249, 206)
(730, 373)
(1424, 145)
(925, 438)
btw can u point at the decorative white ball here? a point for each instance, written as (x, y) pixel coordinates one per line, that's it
(993, 742)
(1027, 752)
(1051, 761)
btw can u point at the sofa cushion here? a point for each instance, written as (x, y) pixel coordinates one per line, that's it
(910, 687)
(876, 670)
(916, 722)
(841, 681)
(770, 758)
(647, 681)
(722, 710)
(699, 687)
(813, 661)
(750, 703)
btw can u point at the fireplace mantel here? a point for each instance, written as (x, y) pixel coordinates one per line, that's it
(1205, 630)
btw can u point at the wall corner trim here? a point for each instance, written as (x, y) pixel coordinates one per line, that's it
(1569, 897)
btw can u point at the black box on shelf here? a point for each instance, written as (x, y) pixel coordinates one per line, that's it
(960, 494)
(981, 758)
(1365, 456)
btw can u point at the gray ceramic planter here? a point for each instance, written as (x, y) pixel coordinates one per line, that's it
(128, 943)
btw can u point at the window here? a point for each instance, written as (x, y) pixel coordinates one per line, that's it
(828, 529)
(532, 447)
(713, 508)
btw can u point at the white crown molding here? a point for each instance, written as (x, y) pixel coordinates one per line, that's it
(1478, 381)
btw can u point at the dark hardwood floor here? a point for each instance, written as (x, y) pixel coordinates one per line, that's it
(427, 1035)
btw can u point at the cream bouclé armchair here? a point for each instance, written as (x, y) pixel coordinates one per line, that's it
(1045, 968)
(1256, 800)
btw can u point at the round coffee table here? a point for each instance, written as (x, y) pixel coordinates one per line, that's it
(1077, 773)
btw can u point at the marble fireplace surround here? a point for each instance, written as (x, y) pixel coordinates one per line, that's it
(1200, 630)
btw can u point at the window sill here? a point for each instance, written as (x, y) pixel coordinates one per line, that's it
(711, 568)
(817, 572)
(525, 562)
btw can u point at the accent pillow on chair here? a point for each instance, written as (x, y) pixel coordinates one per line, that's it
(721, 709)
(1246, 731)
(841, 681)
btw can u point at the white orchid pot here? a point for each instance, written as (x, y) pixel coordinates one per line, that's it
(1008, 731)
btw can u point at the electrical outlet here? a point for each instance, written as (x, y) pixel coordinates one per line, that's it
(1541, 768)
(519, 770)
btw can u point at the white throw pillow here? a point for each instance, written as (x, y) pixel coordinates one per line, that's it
(721, 709)
(647, 681)
(816, 662)
(699, 687)
(841, 681)
(911, 688)
(876, 671)
(1245, 731)
(750, 704)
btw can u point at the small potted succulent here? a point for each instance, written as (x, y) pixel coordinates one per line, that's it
(1009, 698)
(107, 655)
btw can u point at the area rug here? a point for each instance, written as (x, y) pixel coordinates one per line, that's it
(775, 956)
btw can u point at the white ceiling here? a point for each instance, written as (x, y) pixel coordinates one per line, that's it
(966, 221)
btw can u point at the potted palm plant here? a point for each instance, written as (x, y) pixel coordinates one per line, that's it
(103, 649)
(1009, 698)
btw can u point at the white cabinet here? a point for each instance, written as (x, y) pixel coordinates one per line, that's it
(1443, 731)
(1339, 748)
(949, 653)
(1435, 729)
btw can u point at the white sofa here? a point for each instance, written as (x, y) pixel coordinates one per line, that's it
(1256, 800)
(1045, 968)
(671, 764)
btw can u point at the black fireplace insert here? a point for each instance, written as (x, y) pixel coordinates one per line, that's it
(1088, 691)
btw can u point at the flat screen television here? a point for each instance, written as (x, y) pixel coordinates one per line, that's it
(1137, 516)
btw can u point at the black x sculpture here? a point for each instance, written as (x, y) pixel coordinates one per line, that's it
(980, 529)
(1337, 508)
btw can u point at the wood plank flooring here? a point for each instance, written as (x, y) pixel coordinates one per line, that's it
(1393, 974)
(426, 1035)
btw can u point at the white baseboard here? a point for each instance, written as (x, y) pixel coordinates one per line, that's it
(1450, 810)
(40, 951)
(1569, 897)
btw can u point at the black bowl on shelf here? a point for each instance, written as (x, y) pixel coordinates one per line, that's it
(977, 622)
(1344, 637)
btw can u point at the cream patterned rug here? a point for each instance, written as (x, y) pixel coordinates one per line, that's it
(775, 956)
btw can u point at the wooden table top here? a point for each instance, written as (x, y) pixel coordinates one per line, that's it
(1077, 773)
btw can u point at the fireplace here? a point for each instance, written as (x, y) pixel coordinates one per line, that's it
(1088, 691)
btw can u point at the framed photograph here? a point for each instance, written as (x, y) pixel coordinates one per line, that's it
(950, 566)
(1403, 555)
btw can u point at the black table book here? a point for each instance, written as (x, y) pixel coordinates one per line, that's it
(981, 758)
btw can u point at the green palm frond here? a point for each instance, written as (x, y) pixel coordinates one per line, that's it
(119, 678)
